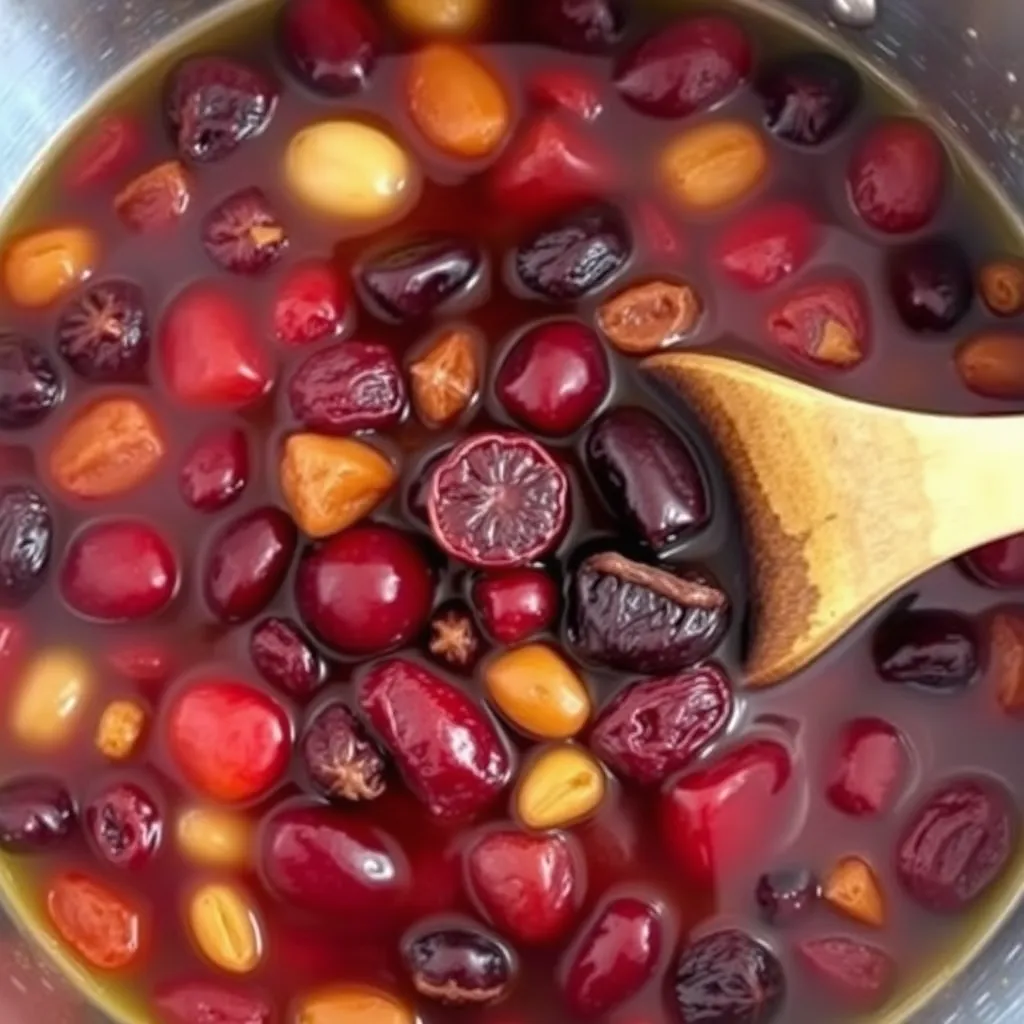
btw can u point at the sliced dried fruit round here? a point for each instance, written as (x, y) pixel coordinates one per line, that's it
(243, 234)
(825, 323)
(445, 378)
(647, 317)
(41, 268)
(101, 926)
(332, 45)
(103, 335)
(342, 760)
(30, 385)
(155, 200)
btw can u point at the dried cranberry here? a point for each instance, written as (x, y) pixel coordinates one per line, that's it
(957, 844)
(768, 245)
(862, 976)
(638, 618)
(808, 97)
(728, 978)
(498, 501)
(826, 323)
(284, 657)
(243, 234)
(201, 1002)
(410, 281)
(30, 386)
(896, 176)
(690, 65)
(648, 475)
(516, 603)
(658, 726)
(567, 89)
(616, 956)
(936, 650)
(787, 895)
(119, 570)
(455, 642)
(26, 542)
(575, 254)
(104, 334)
(459, 966)
(342, 760)
(107, 149)
(124, 825)
(586, 26)
(530, 887)
(446, 747)
(156, 200)
(36, 813)
(365, 591)
(146, 662)
(931, 284)
(869, 768)
(312, 302)
(999, 564)
(343, 388)
(331, 44)
(555, 377)
(215, 470)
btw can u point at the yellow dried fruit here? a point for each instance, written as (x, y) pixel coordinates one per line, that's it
(214, 837)
(853, 889)
(226, 928)
(538, 692)
(332, 482)
(1001, 284)
(562, 786)
(445, 378)
(40, 268)
(51, 699)
(438, 17)
(648, 317)
(354, 1004)
(120, 729)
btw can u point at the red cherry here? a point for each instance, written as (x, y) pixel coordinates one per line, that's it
(870, 766)
(515, 604)
(331, 44)
(109, 147)
(211, 355)
(567, 89)
(768, 245)
(999, 564)
(529, 886)
(215, 470)
(312, 302)
(229, 740)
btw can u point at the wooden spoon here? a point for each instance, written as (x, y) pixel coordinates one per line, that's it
(844, 502)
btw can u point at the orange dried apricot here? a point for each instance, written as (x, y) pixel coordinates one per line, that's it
(352, 1004)
(647, 317)
(992, 365)
(102, 926)
(1001, 284)
(40, 268)
(445, 378)
(853, 889)
(155, 199)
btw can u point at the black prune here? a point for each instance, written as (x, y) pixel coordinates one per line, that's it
(459, 967)
(36, 813)
(936, 650)
(931, 284)
(26, 541)
(30, 386)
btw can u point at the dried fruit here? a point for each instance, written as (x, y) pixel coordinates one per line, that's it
(340, 757)
(459, 967)
(862, 976)
(999, 564)
(124, 825)
(146, 662)
(51, 699)
(637, 618)
(561, 787)
(215, 470)
(1001, 286)
(332, 45)
(41, 268)
(1006, 659)
(936, 650)
(30, 386)
(457, 101)
(657, 726)
(575, 254)
(555, 377)
(188, 1002)
(586, 26)
(447, 749)
(787, 896)
(956, 845)
(728, 978)
(214, 838)
(107, 149)
(229, 740)
(104, 334)
(330, 483)
(446, 377)
(714, 164)
(451, 18)
(26, 543)
(243, 234)
(765, 247)
(869, 769)
(155, 200)
(648, 475)
(354, 1005)
(615, 957)
(311, 302)
(691, 65)
(344, 388)
(225, 928)
(516, 603)
(99, 924)
(285, 658)
(538, 692)
(498, 501)
(853, 889)
(529, 886)
(365, 591)
(214, 104)
(647, 317)
(567, 89)
(455, 642)
(826, 323)
(36, 813)
(120, 729)
(931, 284)
(350, 171)
(992, 365)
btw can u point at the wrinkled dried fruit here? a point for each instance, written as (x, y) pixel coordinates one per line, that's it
(156, 200)
(332, 45)
(455, 642)
(516, 603)
(104, 334)
(931, 284)
(860, 975)
(348, 387)
(214, 838)
(36, 813)
(561, 787)
(936, 650)
(585, 26)
(652, 316)
(447, 749)
(768, 245)
(225, 928)
(853, 889)
(869, 769)
(99, 924)
(107, 149)
(1006, 659)
(189, 1002)
(312, 302)
(787, 896)
(445, 378)
(992, 365)
(637, 618)
(51, 698)
(1001, 286)
(124, 825)
(39, 269)
(826, 323)
(243, 234)
(342, 760)
(120, 729)
(459, 967)
(30, 386)
(26, 543)
(215, 470)
(284, 657)
(657, 726)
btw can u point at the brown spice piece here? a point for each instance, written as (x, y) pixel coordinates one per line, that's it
(445, 378)
(1006, 659)
(993, 365)
(120, 729)
(838, 345)
(853, 889)
(342, 759)
(155, 199)
(686, 592)
(649, 317)
(454, 639)
(1001, 284)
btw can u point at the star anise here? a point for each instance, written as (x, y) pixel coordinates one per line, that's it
(455, 640)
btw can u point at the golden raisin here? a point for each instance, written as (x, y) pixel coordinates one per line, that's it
(155, 199)
(120, 729)
(226, 928)
(40, 268)
(562, 786)
(353, 1004)
(993, 365)
(1001, 284)
(445, 378)
(648, 317)
(853, 889)
(438, 17)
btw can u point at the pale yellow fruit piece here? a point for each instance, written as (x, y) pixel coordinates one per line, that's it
(42, 267)
(353, 1004)
(438, 17)
(226, 928)
(120, 729)
(214, 838)
(562, 786)
(51, 699)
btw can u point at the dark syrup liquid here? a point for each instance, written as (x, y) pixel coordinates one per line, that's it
(947, 735)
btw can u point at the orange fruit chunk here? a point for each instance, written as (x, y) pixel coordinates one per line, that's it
(853, 889)
(40, 268)
(98, 923)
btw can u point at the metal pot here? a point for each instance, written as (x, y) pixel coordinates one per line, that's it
(963, 58)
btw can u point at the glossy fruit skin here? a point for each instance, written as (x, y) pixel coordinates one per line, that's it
(787, 896)
(331, 45)
(446, 747)
(808, 97)
(124, 825)
(931, 284)
(805, 323)
(554, 378)
(728, 978)
(956, 845)
(247, 563)
(344, 388)
(768, 245)
(342, 760)
(30, 386)
(36, 813)
(869, 769)
(860, 975)
(458, 966)
(365, 591)
(999, 564)
(26, 542)
(104, 334)
(585, 26)
(102, 927)
(569, 90)
(189, 1002)
(658, 726)
(154, 201)
(312, 302)
(933, 650)
(648, 476)
(615, 957)
(284, 658)
(230, 741)
(716, 817)
(119, 570)
(529, 887)
(515, 604)
(216, 469)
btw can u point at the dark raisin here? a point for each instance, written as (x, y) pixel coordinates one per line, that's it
(30, 386)
(36, 813)
(26, 541)
(935, 650)
(459, 967)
